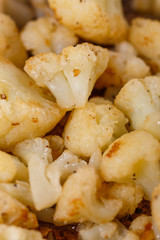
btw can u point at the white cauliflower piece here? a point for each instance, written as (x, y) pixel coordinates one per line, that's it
(45, 179)
(112, 230)
(17, 233)
(130, 194)
(139, 100)
(19, 10)
(14, 212)
(97, 21)
(141, 224)
(79, 201)
(19, 190)
(95, 125)
(10, 43)
(140, 164)
(144, 35)
(71, 75)
(126, 47)
(45, 35)
(24, 112)
(155, 207)
(121, 68)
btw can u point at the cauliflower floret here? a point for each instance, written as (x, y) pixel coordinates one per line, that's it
(112, 230)
(133, 157)
(45, 176)
(10, 43)
(17, 233)
(144, 34)
(97, 21)
(79, 202)
(151, 6)
(130, 194)
(126, 47)
(139, 100)
(121, 68)
(19, 190)
(45, 35)
(24, 113)
(71, 75)
(14, 212)
(95, 125)
(19, 10)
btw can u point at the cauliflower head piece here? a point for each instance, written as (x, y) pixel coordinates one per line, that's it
(71, 75)
(144, 34)
(46, 35)
(10, 43)
(24, 112)
(133, 157)
(96, 125)
(99, 21)
(139, 100)
(79, 202)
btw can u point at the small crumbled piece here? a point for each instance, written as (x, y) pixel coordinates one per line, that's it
(17, 233)
(46, 35)
(96, 125)
(140, 164)
(130, 194)
(14, 212)
(24, 112)
(10, 43)
(79, 201)
(139, 100)
(144, 34)
(71, 75)
(111, 230)
(49, 174)
(121, 68)
(141, 224)
(97, 21)
(19, 190)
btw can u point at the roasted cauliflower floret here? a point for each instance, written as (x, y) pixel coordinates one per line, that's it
(79, 202)
(141, 224)
(95, 125)
(45, 176)
(121, 68)
(97, 21)
(144, 34)
(126, 48)
(10, 43)
(130, 194)
(24, 113)
(17, 233)
(45, 35)
(133, 157)
(71, 75)
(14, 212)
(139, 100)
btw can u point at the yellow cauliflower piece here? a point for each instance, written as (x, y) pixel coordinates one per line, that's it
(133, 157)
(79, 201)
(24, 113)
(95, 125)
(71, 75)
(45, 35)
(14, 212)
(121, 68)
(99, 21)
(139, 100)
(17, 233)
(10, 43)
(144, 34)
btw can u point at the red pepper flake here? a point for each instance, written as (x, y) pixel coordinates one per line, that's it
(76, 72)
(14, 124)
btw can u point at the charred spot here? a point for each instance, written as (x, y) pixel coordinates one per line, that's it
(3, 96)
(76, 72)
(35, 120)
(113, 149)
(15, 124)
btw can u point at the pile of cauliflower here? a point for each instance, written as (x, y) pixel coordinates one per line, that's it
(67, 153)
